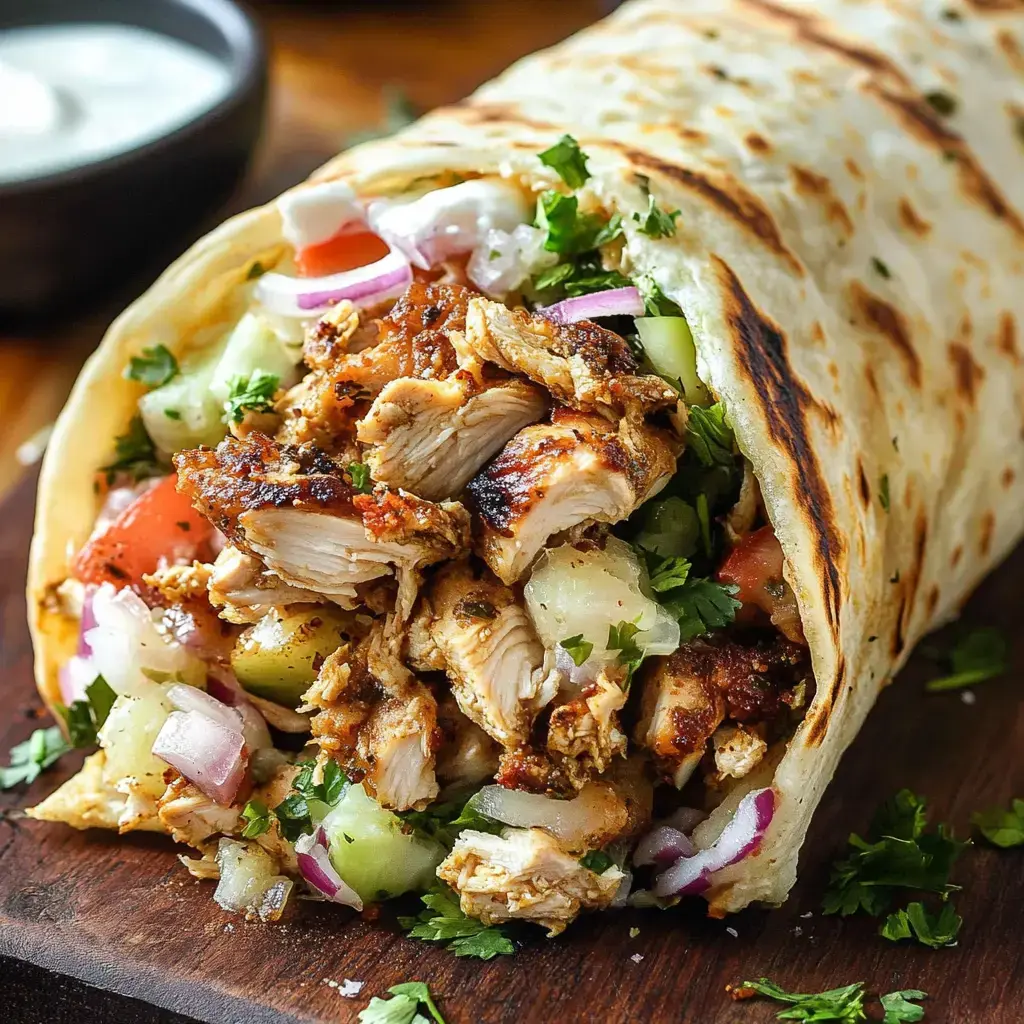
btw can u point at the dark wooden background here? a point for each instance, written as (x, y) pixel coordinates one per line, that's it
(97, 928)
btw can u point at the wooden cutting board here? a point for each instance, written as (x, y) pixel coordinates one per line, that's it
(122, 915)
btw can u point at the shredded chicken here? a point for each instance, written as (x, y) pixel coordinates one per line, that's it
(738, 751)
(498, 669)
(583, 366)
(292, 508)
(524, 874)
(431, 436)
(191, 817)
(243, 591)
(554, 476)
(585, 731)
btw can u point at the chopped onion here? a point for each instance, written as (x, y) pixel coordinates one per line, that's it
(205, 751)
(504, 260)
(613, 302)
(312, 214)
(740, 837)
(662, 846)
(188, 698)
(249, 882)
(317, 869)
(364, 286)
(448, 221)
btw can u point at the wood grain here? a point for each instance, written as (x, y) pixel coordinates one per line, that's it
(121, 914)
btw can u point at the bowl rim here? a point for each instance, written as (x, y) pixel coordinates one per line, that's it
(246, 63)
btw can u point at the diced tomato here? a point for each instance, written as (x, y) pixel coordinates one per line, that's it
(347, 250)
(755, 566)
(160, 523)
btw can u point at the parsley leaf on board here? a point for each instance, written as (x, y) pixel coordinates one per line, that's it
(975, 657)
(253, 393)
(444, 921)
(1001, 827)
(360, 474)
(155, 367)
(656, 223)
(899, 854)
(85, 717)
(256, 816)
(134, 453)
(899, 1009)
(567, 159)
(917, 922)
(33, 756)
(577, 648)
(709, 436)
(402, 1007)
(844, 1004)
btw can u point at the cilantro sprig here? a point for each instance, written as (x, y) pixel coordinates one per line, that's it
(844, 1004)
(34, 755)
(252, 393)
(256, 816)
(360, 474)
(698, 605)
(656, 223)
(443, 921)
(709, 436)
(85, 717)
(577, 648)
(403, 1006)
(154, 367)
(1002, 826)
(979, 655)
(294, 814)
(134, 454)
(444, 821)
(918, 922)
(567, 159)
(622, 638)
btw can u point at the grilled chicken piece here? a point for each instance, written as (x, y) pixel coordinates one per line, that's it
(243, 591)
(554, 476)
(690, 693)
(524, 874)
(585, 731)
(431, 436)
(191, 817)
(738, 751)
(498, 668)
(468, 755)
(292, 508)
(584, 366)
(412, 341)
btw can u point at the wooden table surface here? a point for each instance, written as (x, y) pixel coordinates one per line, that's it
(120, 914)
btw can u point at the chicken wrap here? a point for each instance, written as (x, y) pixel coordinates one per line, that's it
(565, 475)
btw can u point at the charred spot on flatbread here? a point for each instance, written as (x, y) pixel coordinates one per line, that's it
(968, 373)
(817, 186)
(874, 313)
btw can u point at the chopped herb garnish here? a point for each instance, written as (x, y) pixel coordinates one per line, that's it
(883, 492)
(134, 453)
(256, 816)
(156, 366)
(172, 414)
(709, 436)
(977, 656)
(844, 1004)
(403, 1006)
(444, 921)
(669, 574)
(951, 14)
(1002, 827)
(444, 821)
(293, 813)
(656, 223)
(577, 648)
(899, 853)
(567, 159)
(941, 102)
(33, 756)
(880, 268)
(656, 302)
(898, 1008)
(917, 922)
(250, 394)
(621, 639)
(85, 717)
(597, 861)
(704, 519)
(702, 605)
(360, 474)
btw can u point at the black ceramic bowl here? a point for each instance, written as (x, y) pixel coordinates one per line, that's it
(65, 236)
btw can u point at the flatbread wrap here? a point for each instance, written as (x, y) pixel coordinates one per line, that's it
(574, 468)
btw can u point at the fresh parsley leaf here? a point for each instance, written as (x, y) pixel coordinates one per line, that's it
(1001, 827)
(656, 223)
(880, 268)
(620, 638)
(844, 1004)
(597, 861)
(899, 854)
(935, 930)
(702, 605)
(567, 159)
(671, 573)
(156, 366)
(670, 528)
(250, 394)
(577, 648)
(569, 232)
(883, 492)
(898, 1008)
(443, 822)
(332, 785)
(402, 1007)
(293, 813)
(444, 921)
(85, 717)
(360, 473)
(256, 816)
(172, 414)
(33, 756)
(977, 656)
(134, 453)
(656, 302)
(709, 436)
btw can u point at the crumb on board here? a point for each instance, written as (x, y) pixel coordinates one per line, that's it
(732, 931)
(634, 932)
(968, 697)
(347, 987)
(637, 957)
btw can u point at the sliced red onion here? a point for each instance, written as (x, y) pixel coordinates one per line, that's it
(662, 846)
(224, 687)
(205, 752)
(364, 286)
(316, 867)
(613, 302)
(740, 837)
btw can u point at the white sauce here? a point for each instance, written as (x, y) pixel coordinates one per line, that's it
(73, 94)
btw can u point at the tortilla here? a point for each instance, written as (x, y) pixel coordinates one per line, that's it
(849, 256)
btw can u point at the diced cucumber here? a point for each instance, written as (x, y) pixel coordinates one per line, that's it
(668, 344)
(279, 656)
(252, 345)
(371, 852)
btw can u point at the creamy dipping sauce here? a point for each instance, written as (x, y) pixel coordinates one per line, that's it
(73, 94)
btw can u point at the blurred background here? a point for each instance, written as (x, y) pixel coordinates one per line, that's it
(79, 240)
